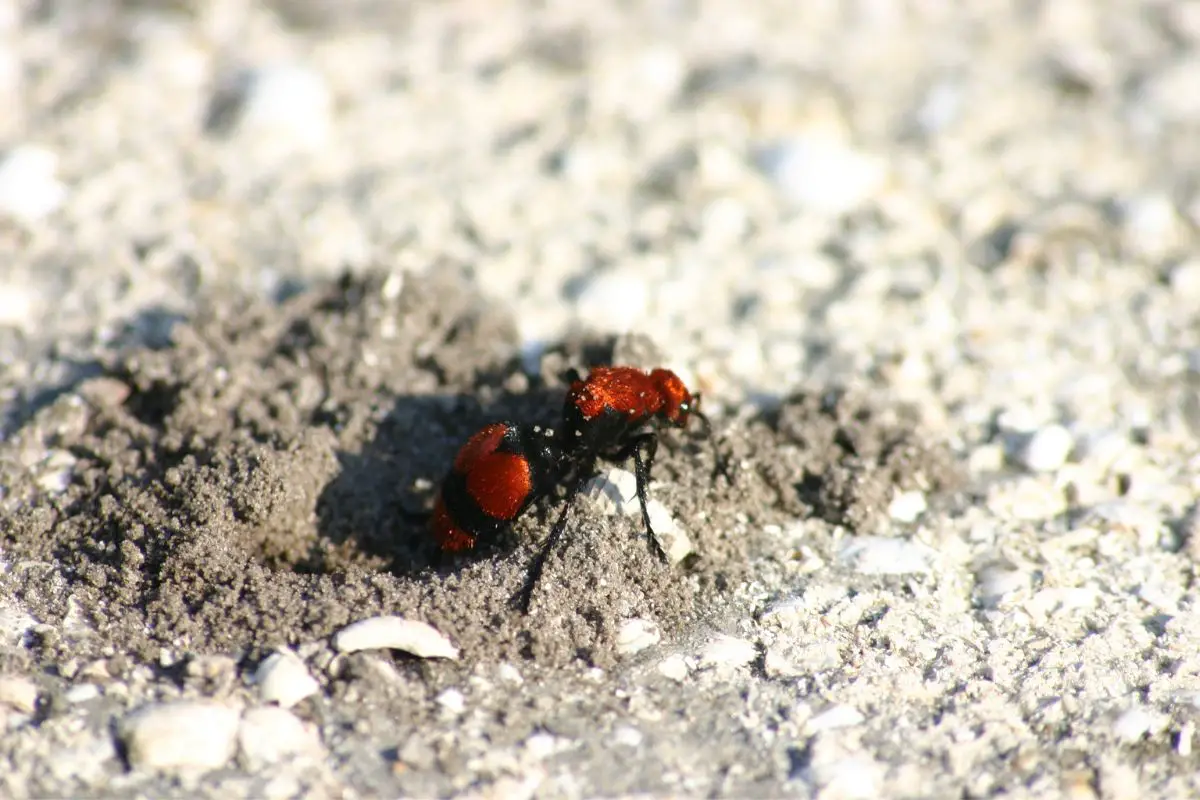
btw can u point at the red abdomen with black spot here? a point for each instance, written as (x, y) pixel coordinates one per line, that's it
(497, 474)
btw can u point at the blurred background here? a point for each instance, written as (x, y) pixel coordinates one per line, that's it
(881, 191)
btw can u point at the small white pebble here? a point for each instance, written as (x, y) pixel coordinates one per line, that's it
(392, 286)
(853, 778)
(670, 536)
(287, 108)
(786, 611)
(1150, 227)
(18, 306)
(612, 491)
(181, 734)
(82, 693)
(615, 492)
(284, 679)
(636, 635)
(1183, 744)
(513, 788)
(674, 667)
(1103, 447)
(1047, 449)
(613, 302)
(941, 105)
(777, 665)
(1077, 784)
(816, 656)
(1185, 280)
(218, 669)
(394, 633)
(56, 471)
(541, 746)
(820, 173)
(1121, 780)
(839, 716)
(627, 736)
(881, 555)
(996, 584)
(270, 734)
(724, 221)
(509, 674)
(18, 693)
(29, 189)
(1138, 722)
(452, 700)
(86, 758)
(1052, 601)
(907, 506)
(283, 786)
(1027, 498)
(986, 458)
(727, 651)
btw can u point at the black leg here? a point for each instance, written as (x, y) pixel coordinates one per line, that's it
(643, 448)
(539, 562)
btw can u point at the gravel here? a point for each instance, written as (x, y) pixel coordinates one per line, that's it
(18, 693)
(271, 734)
(264, 266)
(283, 678)
(186, 734)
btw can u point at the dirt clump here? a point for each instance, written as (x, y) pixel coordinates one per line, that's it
(261, 481)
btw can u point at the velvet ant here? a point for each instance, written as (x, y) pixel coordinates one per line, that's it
(497, 474)
(505, 467)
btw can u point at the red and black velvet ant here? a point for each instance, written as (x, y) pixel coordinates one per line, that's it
(504, 468)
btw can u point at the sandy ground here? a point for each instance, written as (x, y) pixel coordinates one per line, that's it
(264, 267)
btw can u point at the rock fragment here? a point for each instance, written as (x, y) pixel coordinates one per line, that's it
(182, 734)
(282, 678)
(395, 633)
(271, 734)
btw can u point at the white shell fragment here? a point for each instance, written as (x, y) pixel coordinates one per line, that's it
(282, 678)
(674, 667)
(881, 555)
(635, 635)
(727, 651)
(182, 734)
(839, 716)
(615, 492)
(671, 538)
(395, 633)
